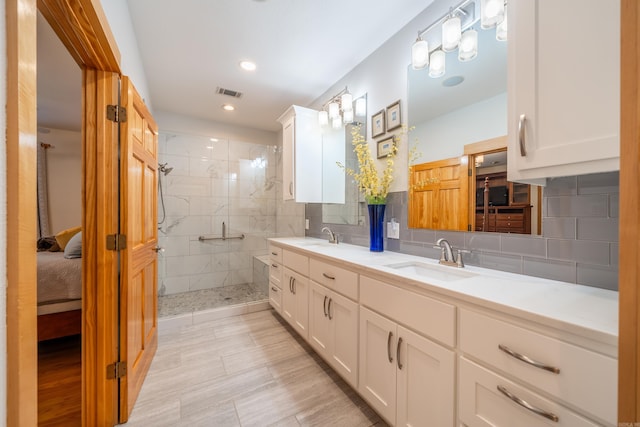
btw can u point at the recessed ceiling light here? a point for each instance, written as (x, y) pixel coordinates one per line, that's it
(213, 139)
(248, 65)
(228, 107)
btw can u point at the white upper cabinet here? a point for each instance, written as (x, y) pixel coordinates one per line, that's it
(564, 88)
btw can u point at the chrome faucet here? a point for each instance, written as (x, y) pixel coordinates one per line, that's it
(447, 257)
(333, 237)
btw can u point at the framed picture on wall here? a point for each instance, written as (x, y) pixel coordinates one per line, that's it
(385, 147)
(394, 120)
(377, 124)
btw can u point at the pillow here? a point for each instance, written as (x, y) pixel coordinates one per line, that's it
(74, 247)
(63, 237)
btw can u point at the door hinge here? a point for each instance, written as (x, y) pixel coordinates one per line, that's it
(116, 370)
(470, 172)
(116, 113)
(468, 227)
(116, 242)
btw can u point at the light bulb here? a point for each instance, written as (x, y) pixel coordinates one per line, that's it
(361, 107)
(347, 101)
(419, 54)
(491, 13)
(323, 118)
(437, 64)
(451, 33)
(468, 46)
(501, 29)
(334, 110)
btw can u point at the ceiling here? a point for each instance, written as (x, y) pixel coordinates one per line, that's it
(191, 47)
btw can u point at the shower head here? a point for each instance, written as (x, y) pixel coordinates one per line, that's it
(162, 167)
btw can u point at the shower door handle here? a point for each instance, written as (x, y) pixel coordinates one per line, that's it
(158, 249)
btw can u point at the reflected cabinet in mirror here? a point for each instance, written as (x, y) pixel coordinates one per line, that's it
(351, 211)
(458, 124)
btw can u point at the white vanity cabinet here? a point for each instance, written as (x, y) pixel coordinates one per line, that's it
(567, 374)
(406, 377)
(564, 92)
(301, 155)
(295, 291)
(275, 278)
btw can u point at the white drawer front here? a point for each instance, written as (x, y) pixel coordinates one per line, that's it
(296, 262)
(275, 253)
(483, 405)
(275, 273)
(275, 297)
(429, 316)
(586, 379)
(333, 277)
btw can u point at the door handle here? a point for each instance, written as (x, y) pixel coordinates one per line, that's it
(324, 306)
(389, 347)
(521, 136)
(398, 353)
(329, 309)
(158, 249)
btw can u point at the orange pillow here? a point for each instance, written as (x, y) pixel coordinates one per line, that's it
(63, 237)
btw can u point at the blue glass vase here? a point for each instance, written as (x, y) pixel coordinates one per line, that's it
(376, 229)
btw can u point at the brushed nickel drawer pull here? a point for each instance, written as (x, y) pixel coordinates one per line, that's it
(329, 309)
(274, 289)
(274, 253)
(293, 281)
(523, 149)
(398, 353)
(528, 360)
(328, 277)
(526, 405)
(389, 347)
(324, 306)
(274, 265)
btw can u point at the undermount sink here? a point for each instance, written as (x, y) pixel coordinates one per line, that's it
(447, 274)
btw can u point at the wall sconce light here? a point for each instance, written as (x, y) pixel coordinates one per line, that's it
(361, 107)
(339, 109)
(457, 32)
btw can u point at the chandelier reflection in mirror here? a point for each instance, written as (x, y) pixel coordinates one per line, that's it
(340, 109)
(457, 32)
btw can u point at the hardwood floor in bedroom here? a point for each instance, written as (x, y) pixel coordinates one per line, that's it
(59, 382)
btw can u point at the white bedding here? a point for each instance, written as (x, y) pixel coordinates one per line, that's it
(59, 279)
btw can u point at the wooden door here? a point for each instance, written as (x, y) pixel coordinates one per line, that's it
(138, 215)
(439, 195)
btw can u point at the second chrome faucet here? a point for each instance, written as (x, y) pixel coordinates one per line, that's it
(447, 257)
(333, 237)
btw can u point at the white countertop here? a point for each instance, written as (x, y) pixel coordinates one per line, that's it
(583, 310)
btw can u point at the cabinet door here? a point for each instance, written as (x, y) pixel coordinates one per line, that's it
(425, 390)
(343, 315)
(566, 88)
(288, 156)
(319, 337)
(288, 297)
(377, 374)
(300, 285)
(275, 297)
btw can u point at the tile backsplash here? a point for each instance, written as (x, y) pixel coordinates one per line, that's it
(579, 242)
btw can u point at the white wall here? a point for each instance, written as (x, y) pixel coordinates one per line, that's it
(64, 176)
(117, 12)
(3, 218)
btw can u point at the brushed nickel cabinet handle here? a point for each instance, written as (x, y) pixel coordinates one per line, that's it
(291, 188)
(274, 253)
(324, 306)
(293, 281)
(291, 284)
(523, 149)
(526, 405)
(328, 277)
(398, 353)
(274, 289)
(329, 309)
(274, 265)
(528, 360)
(389, 347)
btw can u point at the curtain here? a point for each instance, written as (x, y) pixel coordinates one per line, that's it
(43, 202)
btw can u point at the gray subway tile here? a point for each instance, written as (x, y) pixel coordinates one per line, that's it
(418, 249)
(482, 241)
(604, 229)
(599, 183)
(564, 186)
(600, 277)
(455, 238)
(559, 227)
(502, 262)
(583, 251)
(578, 206)
(614, 205)
(550, 269)
(614, 249)
(530, 246)
(423, 236)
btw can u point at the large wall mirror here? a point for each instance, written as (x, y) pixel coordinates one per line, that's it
(458, 122)
(350, 212)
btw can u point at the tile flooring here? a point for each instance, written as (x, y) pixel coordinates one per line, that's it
(185, 302)
(247, 370)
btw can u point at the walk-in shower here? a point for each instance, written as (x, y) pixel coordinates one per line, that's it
(218, 208)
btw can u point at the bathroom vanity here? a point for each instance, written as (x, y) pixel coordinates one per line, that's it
(426, 344)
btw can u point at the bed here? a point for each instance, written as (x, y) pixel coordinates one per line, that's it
(59, 295)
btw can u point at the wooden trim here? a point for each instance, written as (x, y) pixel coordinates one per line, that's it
(487, 146)
(629, 261)
(57, 325)
(22, 354)
(83, 28)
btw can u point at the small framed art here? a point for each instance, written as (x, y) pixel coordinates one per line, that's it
(385, 147)
(377, 124)
(394, 120)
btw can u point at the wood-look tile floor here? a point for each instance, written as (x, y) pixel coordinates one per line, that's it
(248, 370)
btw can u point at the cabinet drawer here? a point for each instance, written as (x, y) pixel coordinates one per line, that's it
(585, 379)
(423, 314)
(336, 278)
(510, 217)
(275, 297)
(275, 253)
(275, 273)
(507, 223)
(296, 262)
(483, 404)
